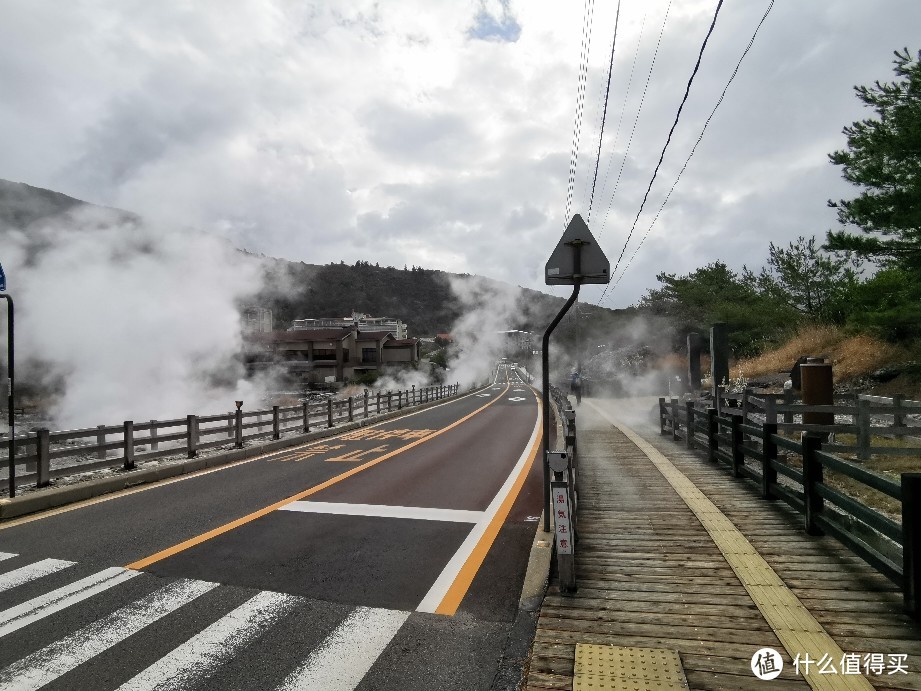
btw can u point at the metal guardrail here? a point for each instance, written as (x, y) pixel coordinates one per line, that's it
(124, 445)
(800, 477)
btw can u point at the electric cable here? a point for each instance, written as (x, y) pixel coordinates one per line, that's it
(668, 140)
(580, 102)
(699, 138)
(604, 113)
(639, 111)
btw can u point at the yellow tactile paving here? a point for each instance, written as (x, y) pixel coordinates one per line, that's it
(619, 668)
(797, 629)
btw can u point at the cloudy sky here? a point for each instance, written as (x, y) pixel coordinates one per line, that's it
(439, 133)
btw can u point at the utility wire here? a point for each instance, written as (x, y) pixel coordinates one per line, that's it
(604, 113)
(580, 102)
(699, 138)
(639, 111)
(668, 140)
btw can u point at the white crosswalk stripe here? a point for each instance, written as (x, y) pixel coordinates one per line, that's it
(345, 657)
(15, 618)
(202, 654)
(30, 572)
(338, 663)
(47, 664)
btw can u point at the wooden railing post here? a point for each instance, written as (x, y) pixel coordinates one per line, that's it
(399, 400)
(276, 423)
(770, 409)
(911, 543)
(191, 434)
(738, 456)
(306, 414)
(769, 452)
(351, 410)
(366, 404)
(788, 401)
(863, 429)
(662, 415)
(378, 409)
(689, 416)
(329, 412)
(713, 430)
(898, 419)
(238, 429)
(389, 401)
(129, 445)
(812, 477)
(675, 423)
(154, 445)
(43, 450)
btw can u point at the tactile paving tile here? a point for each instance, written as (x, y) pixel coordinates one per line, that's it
(616, 668)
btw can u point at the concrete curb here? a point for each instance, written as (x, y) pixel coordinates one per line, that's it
(42, 500)
(537, 575)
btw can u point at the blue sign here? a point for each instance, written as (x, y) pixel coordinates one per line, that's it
(2, 280)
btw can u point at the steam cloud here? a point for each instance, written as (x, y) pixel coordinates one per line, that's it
(134, 322)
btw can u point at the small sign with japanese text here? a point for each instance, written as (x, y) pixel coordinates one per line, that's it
(559, 493)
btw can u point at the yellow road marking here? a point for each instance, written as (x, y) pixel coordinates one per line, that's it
(356, 455)
(12, 523)
(799, 632)
(468, 572)
(227, 527)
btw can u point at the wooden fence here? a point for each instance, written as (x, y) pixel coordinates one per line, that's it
(808, 477)
(105, 446)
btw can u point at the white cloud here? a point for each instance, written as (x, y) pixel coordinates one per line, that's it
(439, 133)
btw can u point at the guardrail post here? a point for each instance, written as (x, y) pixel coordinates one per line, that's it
(675, 424)
(154, 444)
(738, 456)
(769, 453)
(129, 445)
(662, 415)
(812, 476)
(101, 441)
(238, 429)
(329, 412)
(191, 433)
(770, 409)
(351, 410)
(713, 430)
(911, 543)
(863, 429)
(276, 423)
(366, 404)
(689, 416)
(788, 401)
(43, 451)
(898, 420)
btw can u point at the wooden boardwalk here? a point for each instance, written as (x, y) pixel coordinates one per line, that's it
(650, 575)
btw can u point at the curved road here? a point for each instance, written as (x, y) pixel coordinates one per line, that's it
(387, 557)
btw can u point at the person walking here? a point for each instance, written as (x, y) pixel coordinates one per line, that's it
(575, 386)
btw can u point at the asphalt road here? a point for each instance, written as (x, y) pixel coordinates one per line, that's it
(388, 557)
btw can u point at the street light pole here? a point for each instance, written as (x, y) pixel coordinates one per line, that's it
(11, 382)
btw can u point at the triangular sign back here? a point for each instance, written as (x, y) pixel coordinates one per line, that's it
(561, 267)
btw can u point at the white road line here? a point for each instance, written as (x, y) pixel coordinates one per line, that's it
(15, 618)
(45, 665)
(7, 555)
(446, 579)
(30, 572)
(381, 511)
(344, 658)
(199, 657)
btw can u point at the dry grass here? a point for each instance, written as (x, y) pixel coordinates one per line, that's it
(851, 355)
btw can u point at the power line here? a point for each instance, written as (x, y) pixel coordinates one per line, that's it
(580, 101)
(699, 138)
(604, 113)
(668, 140)
(639, 111)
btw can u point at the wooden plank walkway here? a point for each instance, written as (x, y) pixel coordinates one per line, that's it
(650, 575)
